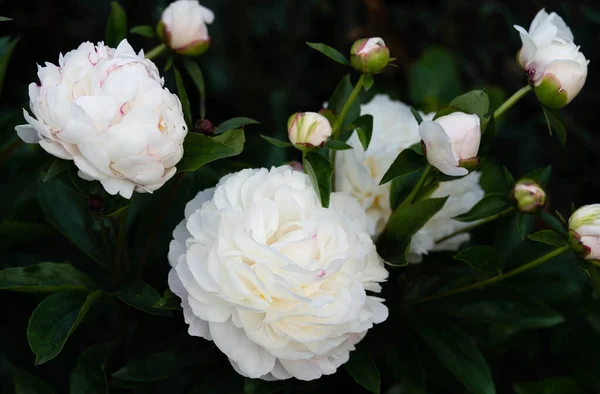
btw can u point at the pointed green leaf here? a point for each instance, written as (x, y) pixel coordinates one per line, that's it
(329, 52)
(482, 258)
(234, 124)
(363, 369)
(28, 383)
(200, 149)
(320, 172)
(417, 115)
(143, 30)
(337, 145)
(55, 169)
(540, 175)
(554, 122)
(276, 142)
(116, 26)
(5, 19)
(407, 162)
(364, 130)
(368, 82)
(197, 76)
(55, 319)
(548, 237)
(169, 301)
(89, 376)
(142, 296)
(491, 204)
(475, 102)
(45, 278)
(183, 97)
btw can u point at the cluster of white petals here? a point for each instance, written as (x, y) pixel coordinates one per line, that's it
(107, 110)
(278, 282)
(359, 172)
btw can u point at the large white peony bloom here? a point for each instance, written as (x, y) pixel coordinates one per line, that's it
(359, 172)
(106, 109)
(278, 282)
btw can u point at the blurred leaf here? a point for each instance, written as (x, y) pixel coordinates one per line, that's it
(457, 352)
(5, 19)
(195, 73)
(555, 123)
(183, 97)
(329, 52)
(482, 258)
(433, 79)
(14, 232)
(28, 383)
(142, 296)
(540, 175)
(337, 145)
(402, 186)
(44, 278)
(555, 223)
(89, 376)
(320, 172)
(363, 369)
(559, 385)
(276, 142)
(143, 30)
(234, 124)
(340, 96)
(494, 177)
(55, 169)
(407, 162)
(475, 102)
(200, 149)
(258, 386)
(169, 301)
(548, 237)
(116, 26)
(69, 214)
(55, 319)
(491, 204)
(364, 129)
(417, 115)
(6, 49)
(155, 366)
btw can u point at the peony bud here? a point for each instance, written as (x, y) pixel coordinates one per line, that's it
(584, 231)
(529, 195)
(308, 129)
(183, 27)
(451, 142)
(556, 68)
(369, 55)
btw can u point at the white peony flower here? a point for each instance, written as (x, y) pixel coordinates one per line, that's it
(183, 27)
(106, 109)
(278, 282)
(584, 226)
(556, 67)
(359, 172)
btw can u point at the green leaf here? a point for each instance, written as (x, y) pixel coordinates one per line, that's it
(195, 73)
(89, 376)
(14, 232)
(540, 175)
(337, 145)
(368, 82)
(276, 142)
(558, 385)
(433, 79)
(475, 102)
(363, 369)
(417, 115)
(143, 30)
(329, 52)
(142, 296)
(5, 19)
(482, 258)
(491, 204)
(364, 129)
(506, 307)
(183, 97)
(320, 172)
(554, 222)
(168, 64)
(407, 162)
(200, 149)
(155, 366)
(44, 278)
(548, 237)
(28, 383)
(55, 169)
(169, 301)
(457, 352)
(258, 386)
(554, 122)
(55, 319)
(69, 214)
(116, 26)
(340, 96)
(234, 124)
(7, 47)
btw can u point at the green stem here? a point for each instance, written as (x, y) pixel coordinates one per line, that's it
(477, 224)
(105, 236)
(156, 51)
(498, 278)
(410, 198)
(512, 100)
(120, 242)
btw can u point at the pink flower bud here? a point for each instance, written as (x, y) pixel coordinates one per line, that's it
(308, 129)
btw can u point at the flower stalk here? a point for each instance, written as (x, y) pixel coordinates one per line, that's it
(512, 100)
(479, 223)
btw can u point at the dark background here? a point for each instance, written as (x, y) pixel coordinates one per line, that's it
(258, 66)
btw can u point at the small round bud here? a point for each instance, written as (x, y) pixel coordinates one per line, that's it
(530, 196)
(204, 126)
(584, 231)
(183, 27)
(95, 203)
(307, 130)
(369, 55)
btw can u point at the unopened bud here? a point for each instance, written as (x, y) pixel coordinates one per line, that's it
(307, 130)
(369, 55)
(530, 196)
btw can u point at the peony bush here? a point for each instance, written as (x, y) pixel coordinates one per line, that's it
(387, 249)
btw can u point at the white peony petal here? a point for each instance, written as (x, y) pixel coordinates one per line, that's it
(28, 134)
(439, 149)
